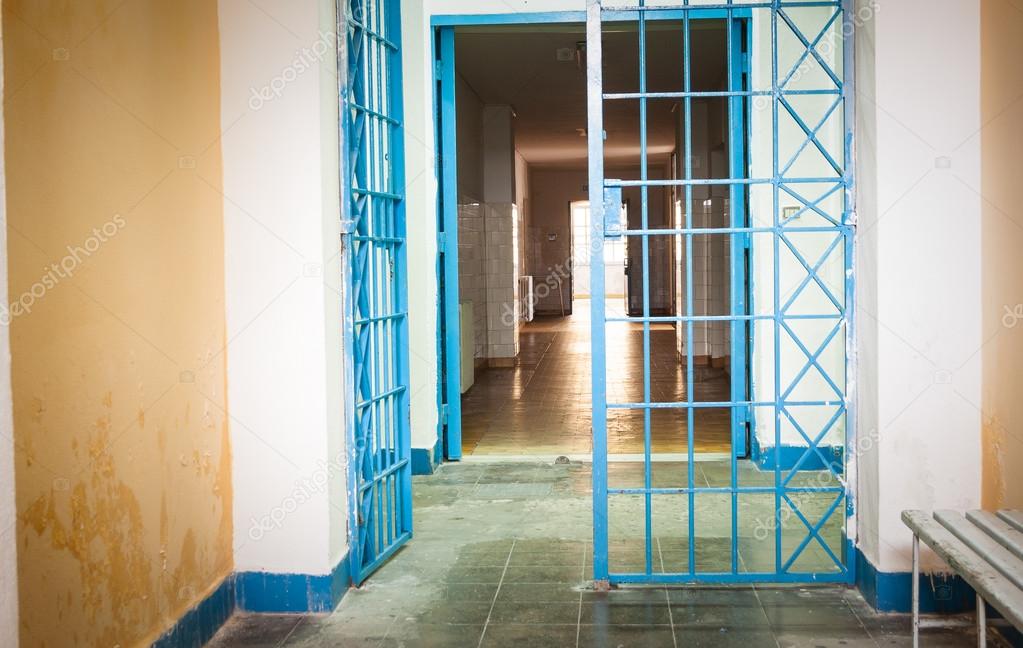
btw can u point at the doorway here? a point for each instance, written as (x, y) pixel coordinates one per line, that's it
(745, 199)
(517, 239)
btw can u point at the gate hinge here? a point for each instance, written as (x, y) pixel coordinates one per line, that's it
(438, 67)
(444, 414)
(442, 242)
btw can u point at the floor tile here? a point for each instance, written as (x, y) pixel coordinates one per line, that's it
(535, 613)
(530, 636)
(626, 637)
(534, 554)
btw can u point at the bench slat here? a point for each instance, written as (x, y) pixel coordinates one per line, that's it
(984, 578)
(983, 545)
(1015, 518)
(1006, 535)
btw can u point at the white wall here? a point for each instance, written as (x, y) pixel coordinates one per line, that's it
(8, 512)
(920, 269)
(283, 270)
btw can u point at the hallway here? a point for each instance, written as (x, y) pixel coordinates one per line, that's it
(502, 557)
(541, 407)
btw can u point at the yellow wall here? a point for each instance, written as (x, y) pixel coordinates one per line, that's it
(1002, 190)
(123, 460)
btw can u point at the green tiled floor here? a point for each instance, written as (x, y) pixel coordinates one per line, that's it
(493, 566)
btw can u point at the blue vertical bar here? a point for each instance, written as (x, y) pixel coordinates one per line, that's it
(397, 152)
(687, 83)
(737, 272)
(738, 243)
(595, 141)
(347, 283)
(849, 221)
(776, 218)
(449, 255)
(645, 242)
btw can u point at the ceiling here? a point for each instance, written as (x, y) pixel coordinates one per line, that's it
(520, 66)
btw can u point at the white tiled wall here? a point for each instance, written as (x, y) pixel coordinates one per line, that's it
(502, 283)
(472, 283)
(711, 282)
(487, 274)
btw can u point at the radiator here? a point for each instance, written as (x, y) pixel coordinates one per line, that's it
(526, 301)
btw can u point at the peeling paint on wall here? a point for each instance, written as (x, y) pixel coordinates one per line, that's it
(1002, 353)
(124, 495)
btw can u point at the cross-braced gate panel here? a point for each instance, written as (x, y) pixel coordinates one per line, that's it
(779, 515)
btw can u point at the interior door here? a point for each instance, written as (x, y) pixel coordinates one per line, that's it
(380, 470)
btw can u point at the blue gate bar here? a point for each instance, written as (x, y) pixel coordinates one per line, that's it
(725, 490)
(595, 143)
(645, 247)
(716, 93)
(737, 283)
(720, 181)
(667, 319)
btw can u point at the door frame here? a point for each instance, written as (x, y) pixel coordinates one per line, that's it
(449, 356)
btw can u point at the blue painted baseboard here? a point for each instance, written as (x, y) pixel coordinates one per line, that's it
(426, 460)
(939, 594)
(258, 592)
(765, 458)
(292, 593)
(893, 592)
(201, 622)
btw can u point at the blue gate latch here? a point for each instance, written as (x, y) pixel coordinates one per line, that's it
(613, 225)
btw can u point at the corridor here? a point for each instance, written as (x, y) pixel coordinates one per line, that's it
(542, 407)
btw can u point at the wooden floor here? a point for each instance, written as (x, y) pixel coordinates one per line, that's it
(542, 406)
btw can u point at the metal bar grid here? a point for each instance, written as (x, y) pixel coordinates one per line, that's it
(784, 180)
(380, 464)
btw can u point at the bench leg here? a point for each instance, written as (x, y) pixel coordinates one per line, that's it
(981, 622)
(916, 591)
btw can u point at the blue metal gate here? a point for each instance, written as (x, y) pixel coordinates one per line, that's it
(380, 471)
(782, 515)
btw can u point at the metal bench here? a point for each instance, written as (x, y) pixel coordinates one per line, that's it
(985, 549)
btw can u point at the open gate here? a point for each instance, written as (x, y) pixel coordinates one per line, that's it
(781, 515)
(380, 470)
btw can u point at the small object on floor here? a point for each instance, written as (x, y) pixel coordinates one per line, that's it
(562, 461)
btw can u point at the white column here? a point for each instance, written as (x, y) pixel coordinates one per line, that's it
(283, 269)
(919, 268)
